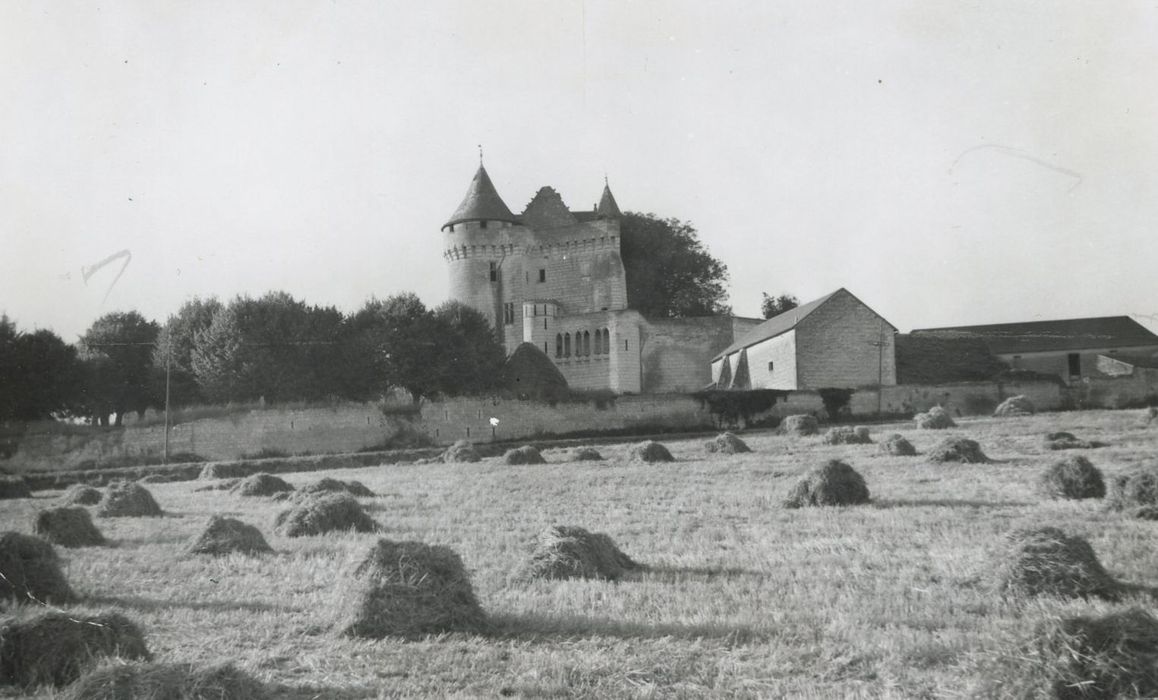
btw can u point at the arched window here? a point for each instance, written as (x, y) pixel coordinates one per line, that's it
(607, 341)
(558, 345)
(586, 343)
(598, 342)
(566, 345)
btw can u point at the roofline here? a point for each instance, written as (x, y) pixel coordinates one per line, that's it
(1024, 323)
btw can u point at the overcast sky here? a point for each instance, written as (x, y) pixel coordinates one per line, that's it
(947, 162)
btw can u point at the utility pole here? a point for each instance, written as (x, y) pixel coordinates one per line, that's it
(880, 345)
(168, 356)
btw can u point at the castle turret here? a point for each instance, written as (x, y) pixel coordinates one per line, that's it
(482, 203)
(607, 208)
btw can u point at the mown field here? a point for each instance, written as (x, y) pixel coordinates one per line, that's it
(742, 597)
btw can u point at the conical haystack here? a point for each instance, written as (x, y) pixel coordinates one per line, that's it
(727, 444)
(527, 454)
(55, 648)
(67, 527)
(832, 484)
(30, 571)
(1046, 561)
(322, 513)
(223, 535)
(566, 551)
(127, 499)
(166, 682)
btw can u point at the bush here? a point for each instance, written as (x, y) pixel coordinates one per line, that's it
(165, 682)
(81, 495)
(958, 450)
(564, 551)
(14, 487)
(55, 648)
(407, 590)
(1014, 406)
(31, 571)
(726, 443)
(322, 513)
(261, 485)
(802, 425)
(844, 435)
(832, 484)
(1046, 561)
(126, 499)
(225, 535)
(67, 527)
(527, 454)
(896, 444)
(650, 451)
(936, 418)
(1133, 490)
(1073, 477)
(461, 451)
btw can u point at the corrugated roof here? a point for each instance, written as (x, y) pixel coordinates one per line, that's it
(607, 208)
(481, 203)
(775, 325)
(1046, 336)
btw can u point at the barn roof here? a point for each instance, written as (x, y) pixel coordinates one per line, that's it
(1046, 336)
(481, 203)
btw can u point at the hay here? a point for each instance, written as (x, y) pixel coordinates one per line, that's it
(832, 484)
(585, 454)
(564, 551)
(224, 470)
(1133, 490)
(961, 450)
(67, 527)
(260, 485)
(14, 487)
(1151, 414)
(461, 451)
(80, 495)
(407, 590)
(226, 535)
(527, 454)
(844, 435)
(726, 443)
(30, 571)
(1014, 406)
(1067, 441)
(55, 648)
(1046, 561)
(358, 489)
(127, 499)
(1073, 477)
(800, 425)
(322, 513)
(896, 444)
(328, 485)
(166, 682)
(1145, 513)
(936, 418)
(650, 451)
(219, 485)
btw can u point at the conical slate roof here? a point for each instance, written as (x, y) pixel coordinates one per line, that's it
(481, 202)
(607, 207)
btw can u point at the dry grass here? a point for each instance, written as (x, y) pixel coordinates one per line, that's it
(1073, 477)
(958, 449)
(323, 513)
(67, 527)
(527, 454)
(166, 682)
(802, 425)
(897, 445)
(127, 499)
(1015, 406)
(936, 418)
(461, 451)
(1135, 489)
(81, 495)
(726, 443)
(566, 551)
(585, 454)
(329, 485)
(30, 571)
(1047, 561)
(223, 535)
(55, 648)
(833, 483)
(261, 484)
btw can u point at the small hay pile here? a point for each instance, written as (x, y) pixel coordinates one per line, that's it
(585, 454)
(1073, 477)
(896, 444)
(936, 418)
(30, 571)
(224, 470)
(834, 483)
(802, 425)
(55, 648)
(727, 444)
(322, 513)
(1067, 441)
(1014, 406)
(1145, 513)
(565, 551)
(1113, 656)
(1134, 490)
(14, 487)
(844, 435)
(527, 454)
(223, 535)
(1046, 561)
(261, 484)
(328, 485)
(650, 451)
(461, 451)
(67, 527)
(219, 485)
(127, 499)
(407, 590)
(961, 450)
(1151, 414)
(80, 495)
(166, 682)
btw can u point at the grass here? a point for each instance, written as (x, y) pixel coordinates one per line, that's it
(741, 597)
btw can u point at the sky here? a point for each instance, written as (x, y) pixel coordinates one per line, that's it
(949, 163)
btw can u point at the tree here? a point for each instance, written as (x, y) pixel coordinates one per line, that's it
(175, 344)
(774, 306)
(669, 272)
(117, 351)
(39, 373)
(469, 357)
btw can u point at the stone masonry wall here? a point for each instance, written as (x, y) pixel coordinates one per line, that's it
(839, 346)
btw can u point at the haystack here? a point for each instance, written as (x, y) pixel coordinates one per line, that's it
(126, 499)
(328, 485)
(585, 454)
(1133, 490)
(1014, 406)
(650, 451)
(14, 487)
(55, 648)
(529, 374)
(1145, 513)
(896, 444)
(1066, 441)
(224, 470)
(223, 535)
(566, 551)
(261, 485)
(164, 682)
(832, 484)
(1046, 561)
(80, 495)
(527, 454)
(407, 590)
(844, 435)
(800, 425)
(31, 571)
(726, 443)
(328, 512)
(67, 527)
(1073, 477)
(936, 418)
(358, 489)
(461, 451)
(961, 450)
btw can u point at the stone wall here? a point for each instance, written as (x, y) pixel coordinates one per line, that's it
(840, 346)
(676, 354)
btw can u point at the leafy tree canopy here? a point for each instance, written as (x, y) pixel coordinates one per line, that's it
(117, 350)
(774, 306)
(39, 373)
(669, 272)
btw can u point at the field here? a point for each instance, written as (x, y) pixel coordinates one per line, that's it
(742, 598)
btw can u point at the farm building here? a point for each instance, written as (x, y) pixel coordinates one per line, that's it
(1069, 348)
(835, 341)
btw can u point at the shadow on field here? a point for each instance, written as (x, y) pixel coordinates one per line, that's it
(313, 692)
(535, 627)
(945, 503)
(682, 574)
(152, 604)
